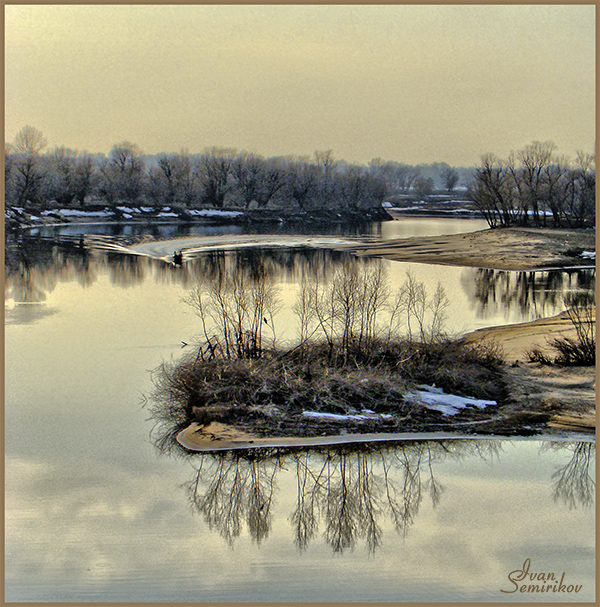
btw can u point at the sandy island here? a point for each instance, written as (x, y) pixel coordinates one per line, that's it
(568, 393)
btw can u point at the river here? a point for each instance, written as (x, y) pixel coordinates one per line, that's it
(95, 511)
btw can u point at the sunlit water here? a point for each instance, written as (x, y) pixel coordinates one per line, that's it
(94, 512)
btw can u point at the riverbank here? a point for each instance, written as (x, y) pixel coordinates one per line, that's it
(520, 249)
(22, 218)
(567, 393)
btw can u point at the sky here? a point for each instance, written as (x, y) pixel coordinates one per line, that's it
(415, 84)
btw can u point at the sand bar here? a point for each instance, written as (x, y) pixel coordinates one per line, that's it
(193, 438)
(500, 249)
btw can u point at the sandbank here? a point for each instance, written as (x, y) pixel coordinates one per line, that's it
(499, 249)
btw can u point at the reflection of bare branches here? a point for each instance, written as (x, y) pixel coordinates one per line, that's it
(305, 516)
(238, 490)
(348, 489)
(573, 483)
(531, 293)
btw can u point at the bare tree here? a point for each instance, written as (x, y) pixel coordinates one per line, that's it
(29, 171)
(301, 181)
(534, 157)
(257, 179)
(215, 167)
(29, 141)
(173, 179)
(122, 173)
(449, 177)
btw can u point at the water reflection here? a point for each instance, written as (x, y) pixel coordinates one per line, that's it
(166, 230)
(35, 265)
(533, 294)
(573, 482)
(350, 494)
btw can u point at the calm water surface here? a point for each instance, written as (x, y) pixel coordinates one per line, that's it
(96, 512)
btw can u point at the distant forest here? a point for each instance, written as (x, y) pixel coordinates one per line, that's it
(534, 186)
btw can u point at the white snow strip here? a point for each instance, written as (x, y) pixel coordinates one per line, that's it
(342, 418)
(334, 417)
(588, 255)
(129, 210)
(127, 216)
(78, 213)
(448, 404)
(165, 214)
(214, 213)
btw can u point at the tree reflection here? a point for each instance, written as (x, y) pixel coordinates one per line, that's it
(352, 493)
(348, 492)
(532, 294)
(35, 265)
(573, 483)
(235, 488)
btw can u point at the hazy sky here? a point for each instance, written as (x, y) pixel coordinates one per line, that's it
(407, 83)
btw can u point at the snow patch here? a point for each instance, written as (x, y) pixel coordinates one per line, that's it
(165, 214)
(214, 213)
(588, 255)
(334, 417)
(78, 213)
(449, 404)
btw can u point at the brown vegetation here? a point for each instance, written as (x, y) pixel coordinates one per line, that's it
(344, 364)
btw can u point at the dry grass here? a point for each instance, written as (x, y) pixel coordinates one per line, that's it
(268, 395)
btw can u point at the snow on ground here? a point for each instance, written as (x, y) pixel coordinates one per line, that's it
(334, 417)
(214, 213)
(588, 255)
(448, 404)
(78, 213)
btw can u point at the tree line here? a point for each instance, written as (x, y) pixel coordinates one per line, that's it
(216, 178)
(536, 186)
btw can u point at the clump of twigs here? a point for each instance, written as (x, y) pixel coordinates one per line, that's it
(345, 361)
(577, 351)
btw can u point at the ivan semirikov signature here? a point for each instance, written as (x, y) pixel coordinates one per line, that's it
(527, 581)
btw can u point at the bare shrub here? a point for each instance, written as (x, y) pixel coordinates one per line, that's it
(537, 355)
(345, 310)
(581, 350)
(412, 305)
(234, 309)
(581, 309)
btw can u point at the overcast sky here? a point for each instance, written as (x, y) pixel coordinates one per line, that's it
(407, 83)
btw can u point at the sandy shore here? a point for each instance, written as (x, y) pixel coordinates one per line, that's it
(500, 249)
(219, 438)
(568, 392)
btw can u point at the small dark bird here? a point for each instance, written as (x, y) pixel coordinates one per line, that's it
(266, 321)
